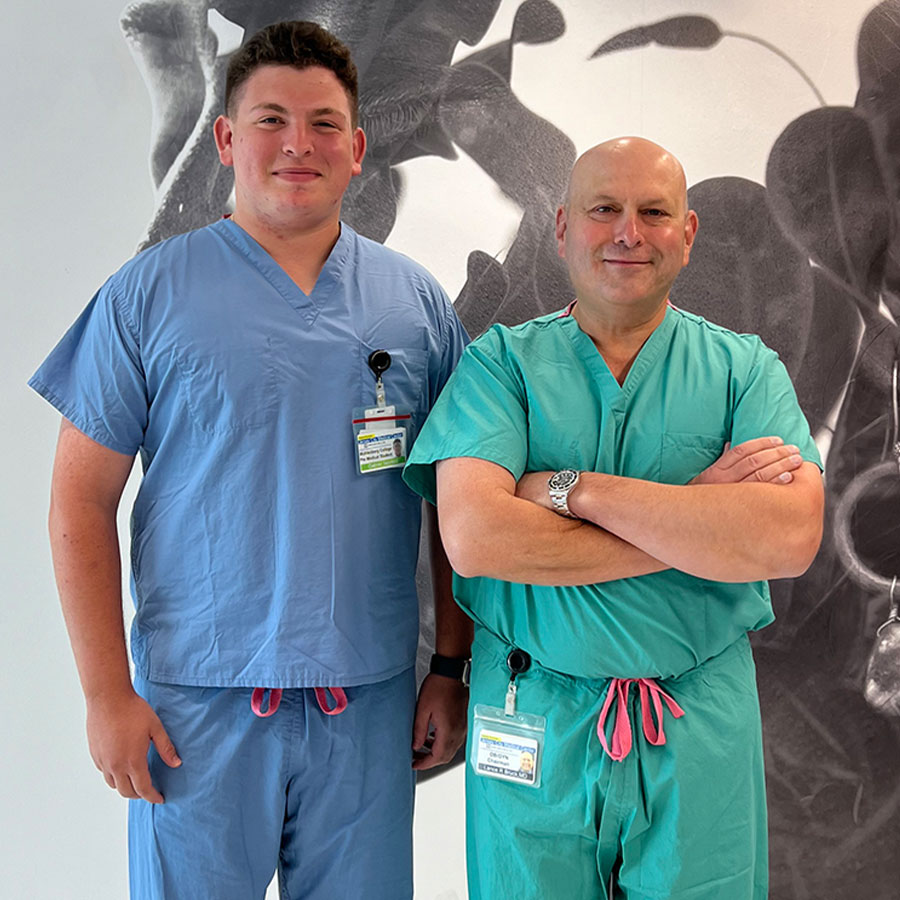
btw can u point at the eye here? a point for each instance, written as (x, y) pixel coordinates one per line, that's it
(270, 120)
(655, 213)
(602, 210)
(324, 123)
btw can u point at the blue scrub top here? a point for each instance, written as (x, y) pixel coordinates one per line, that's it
(540, 397)
(260, 555)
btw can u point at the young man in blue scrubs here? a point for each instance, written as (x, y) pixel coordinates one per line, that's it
(613, 553)
(273, 712)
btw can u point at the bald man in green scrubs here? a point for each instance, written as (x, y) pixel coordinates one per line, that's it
(615, 482)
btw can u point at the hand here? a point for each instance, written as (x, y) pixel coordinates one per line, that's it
(442, 707)
(533, 486)
(119, 734)
(767, 460)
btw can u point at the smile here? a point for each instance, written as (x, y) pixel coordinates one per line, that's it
(297, 174)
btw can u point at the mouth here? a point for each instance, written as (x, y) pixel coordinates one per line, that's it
(626, 262)
(298, 173)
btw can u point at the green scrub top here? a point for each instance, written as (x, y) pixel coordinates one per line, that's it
(540, 397)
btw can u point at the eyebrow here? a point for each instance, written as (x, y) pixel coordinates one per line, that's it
(606, 198)
(321, 111)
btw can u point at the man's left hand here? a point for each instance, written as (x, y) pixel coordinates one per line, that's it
(441, 709)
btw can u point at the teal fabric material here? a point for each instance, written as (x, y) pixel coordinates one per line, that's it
(540, 397)
(682, 821)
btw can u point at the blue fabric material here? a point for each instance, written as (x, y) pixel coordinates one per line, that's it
(540, 397)
(327, 800)
(260, 556)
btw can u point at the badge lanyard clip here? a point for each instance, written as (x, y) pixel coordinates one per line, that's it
(379, 362)
(517, 662)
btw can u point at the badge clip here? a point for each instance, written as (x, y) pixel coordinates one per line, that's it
(517, 662)
(379, 362)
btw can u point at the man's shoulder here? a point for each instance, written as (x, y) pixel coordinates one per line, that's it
(694, 329)
(187, 247)
(381, 261)
(531, 332)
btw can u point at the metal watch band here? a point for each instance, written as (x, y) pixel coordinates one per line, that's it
(559, 486)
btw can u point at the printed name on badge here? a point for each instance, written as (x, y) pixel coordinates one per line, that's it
(508, 756)
(509, 747)
(381, 436)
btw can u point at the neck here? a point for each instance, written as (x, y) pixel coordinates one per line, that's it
(619, 336)
(301, 252)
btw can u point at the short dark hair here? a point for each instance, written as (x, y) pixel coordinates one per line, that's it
(297, 44)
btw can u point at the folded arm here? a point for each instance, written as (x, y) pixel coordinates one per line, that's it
(493, 527)
(724, 532)
(488, 530)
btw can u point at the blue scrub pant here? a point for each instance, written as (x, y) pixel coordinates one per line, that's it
(325, 800)
(685, 820)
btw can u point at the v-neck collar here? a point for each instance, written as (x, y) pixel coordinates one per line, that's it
(587, 352)
(306, 305)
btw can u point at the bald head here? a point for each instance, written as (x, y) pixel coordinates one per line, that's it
(626, 154)
(625, 230)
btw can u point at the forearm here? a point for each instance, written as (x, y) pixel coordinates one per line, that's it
(452, 627)
(723, 532)
(502, 536)
(85, 548)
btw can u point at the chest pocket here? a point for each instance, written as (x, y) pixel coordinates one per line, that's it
(405, 382)
(231, 388)
(684, 455)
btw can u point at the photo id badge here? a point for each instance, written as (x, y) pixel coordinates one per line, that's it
(380, 437)
(510, 748)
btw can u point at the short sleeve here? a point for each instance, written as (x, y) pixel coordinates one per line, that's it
(454, 340)
(481, 412)
(768, 405)
(94, 375)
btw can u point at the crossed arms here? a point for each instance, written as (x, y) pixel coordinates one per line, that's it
(755, 514)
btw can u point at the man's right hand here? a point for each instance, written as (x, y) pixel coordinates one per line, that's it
(767, 460)
(120, 730)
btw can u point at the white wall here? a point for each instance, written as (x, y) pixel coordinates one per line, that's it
(76, 197)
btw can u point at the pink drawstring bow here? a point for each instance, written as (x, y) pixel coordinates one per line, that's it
(653, 730)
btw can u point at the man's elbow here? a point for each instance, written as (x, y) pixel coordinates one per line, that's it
(463, 551)
(800, 546)
(467, 545)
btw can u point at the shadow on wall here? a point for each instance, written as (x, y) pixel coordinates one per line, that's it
(811, 262)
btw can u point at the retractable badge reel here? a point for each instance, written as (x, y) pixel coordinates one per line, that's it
(509, 744)
(380, 431)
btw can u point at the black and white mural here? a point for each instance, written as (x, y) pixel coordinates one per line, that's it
(475, 111)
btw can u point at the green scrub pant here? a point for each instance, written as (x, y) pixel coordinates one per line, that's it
(685, 820)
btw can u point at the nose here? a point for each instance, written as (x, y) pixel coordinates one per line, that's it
(297, 140)
(628, 232)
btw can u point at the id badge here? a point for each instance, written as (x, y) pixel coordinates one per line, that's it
(508, 747)
(380, 436)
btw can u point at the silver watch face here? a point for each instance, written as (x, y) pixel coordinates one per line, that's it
(562, 480)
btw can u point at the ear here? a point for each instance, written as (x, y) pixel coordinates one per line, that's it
(359, 150)
(224, 135)
(691, 223)
(561, 232)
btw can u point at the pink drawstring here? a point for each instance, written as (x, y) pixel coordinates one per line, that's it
(340, 700)
(653, 731)
(256, 700)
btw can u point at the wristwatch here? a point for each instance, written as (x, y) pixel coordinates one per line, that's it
(560, 484)
(455, 667)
